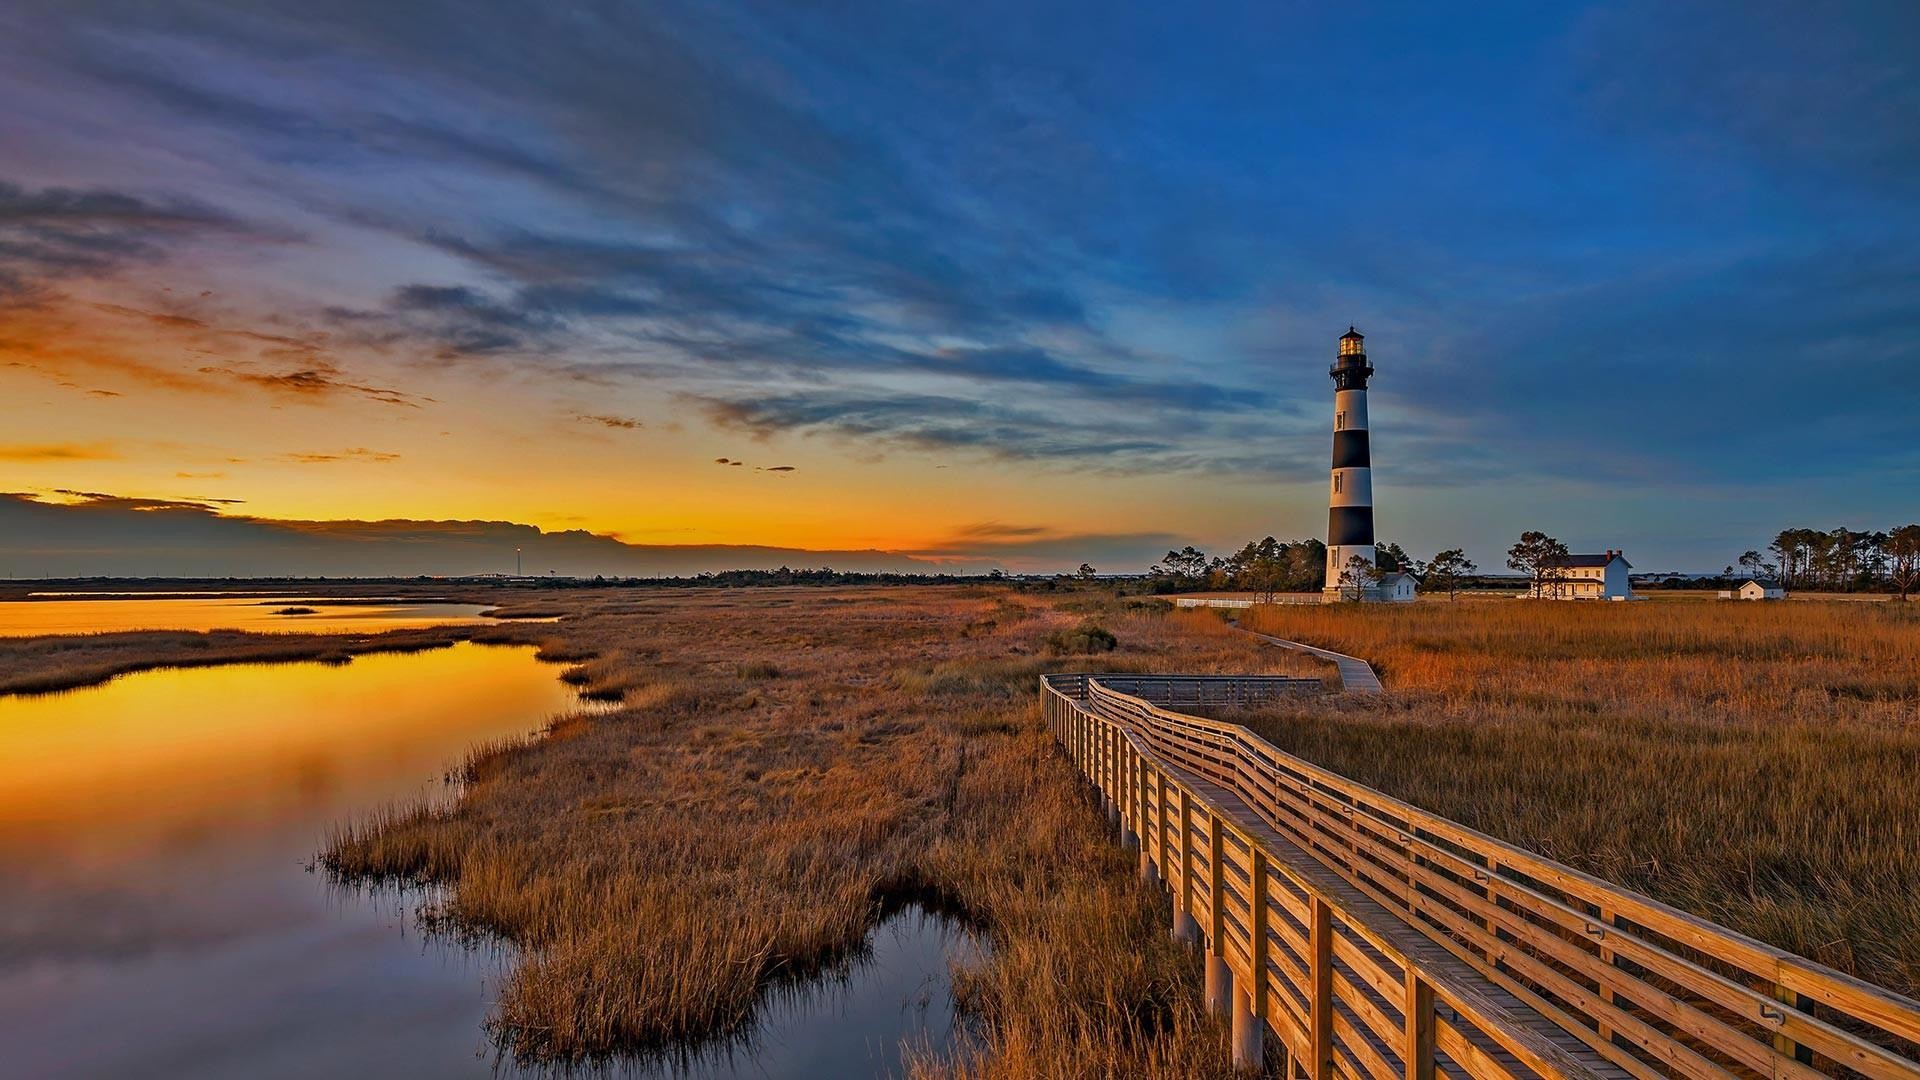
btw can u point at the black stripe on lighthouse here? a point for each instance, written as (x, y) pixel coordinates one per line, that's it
(1350, 449)
(1350, 526)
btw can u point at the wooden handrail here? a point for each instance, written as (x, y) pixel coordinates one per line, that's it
(1621, 984)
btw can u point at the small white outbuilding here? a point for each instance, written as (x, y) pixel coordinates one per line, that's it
(1755, 589)
(1395, 589)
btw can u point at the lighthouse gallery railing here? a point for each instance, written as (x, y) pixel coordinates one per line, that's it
(1608, 982)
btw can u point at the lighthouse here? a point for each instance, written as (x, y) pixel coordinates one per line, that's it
(1350, 494)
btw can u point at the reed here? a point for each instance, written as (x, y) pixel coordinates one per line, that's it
(784, 766)
(1756, 764)
(45, 665)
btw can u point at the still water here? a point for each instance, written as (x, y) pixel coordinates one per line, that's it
(157, 919)
(216, 611)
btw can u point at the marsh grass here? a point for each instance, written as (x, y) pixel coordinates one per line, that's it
(1756, 764)
(45, 665)
(784, 767)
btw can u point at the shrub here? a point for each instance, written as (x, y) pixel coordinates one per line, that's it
(1086, 639)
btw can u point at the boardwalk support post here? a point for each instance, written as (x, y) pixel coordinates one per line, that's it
(1219, 985)
(1248, 1040)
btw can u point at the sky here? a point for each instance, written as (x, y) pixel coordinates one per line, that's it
(953, 285)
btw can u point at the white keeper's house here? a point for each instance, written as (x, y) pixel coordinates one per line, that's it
(1587, 577)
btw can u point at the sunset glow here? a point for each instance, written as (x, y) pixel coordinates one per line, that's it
(960, 290)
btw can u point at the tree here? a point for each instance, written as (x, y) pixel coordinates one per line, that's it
(1357, 577)
(1264, 568)
(1445, 570)
(1306, 563)
(1392, 559)
(1541, 558)
(1903, 558)
(1750, 562)
(1183, 569)
(1087, 571)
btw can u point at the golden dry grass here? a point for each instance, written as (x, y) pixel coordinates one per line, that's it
(42, 665)
(1757, 764)
(786, 764)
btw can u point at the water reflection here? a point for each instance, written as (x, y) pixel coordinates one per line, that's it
(213, 611)
(155, 916)
(861, 1019)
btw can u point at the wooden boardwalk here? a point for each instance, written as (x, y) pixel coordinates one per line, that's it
(1367, 938)
(1356, 675)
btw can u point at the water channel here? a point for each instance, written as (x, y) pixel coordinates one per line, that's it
(158, 917)
(75, 613)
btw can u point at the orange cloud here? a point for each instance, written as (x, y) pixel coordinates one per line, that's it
(603, 420)
(57, 452)
(357, 453)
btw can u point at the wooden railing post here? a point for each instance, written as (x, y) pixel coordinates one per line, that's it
(1184, 926)
(1320, 993)
(1418, 1053)
(1606, 957)
(1152, 822)
(1783, 1044)
(1219, 976)
(1257, 916)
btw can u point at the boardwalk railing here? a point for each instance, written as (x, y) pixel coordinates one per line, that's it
(1378, 940)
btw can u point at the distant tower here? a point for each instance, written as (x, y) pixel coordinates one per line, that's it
(1350, 498)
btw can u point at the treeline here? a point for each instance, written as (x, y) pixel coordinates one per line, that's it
(1264, 567)
(1839, 560)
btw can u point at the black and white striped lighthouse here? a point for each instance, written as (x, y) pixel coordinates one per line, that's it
(1350, 496)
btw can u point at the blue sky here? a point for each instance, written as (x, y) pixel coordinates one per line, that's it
(991, 281)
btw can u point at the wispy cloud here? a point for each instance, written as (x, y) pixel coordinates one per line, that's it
(623, 423)
(311, 384)
(354, 454)
(55, 234)
(25, 452)
(107, 501)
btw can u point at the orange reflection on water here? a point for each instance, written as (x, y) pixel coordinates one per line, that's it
(153, 832)
(241, 745)
(25, 618)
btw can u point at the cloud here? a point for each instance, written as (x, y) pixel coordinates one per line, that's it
(777, 468)
(312, 384)
(103, 534)
(998, 531)
(358, 453)
(106, 501)
(1042, 548)
(625, 423)
(1092, 245)
(57, 337)
(24, 452)
(52, 234)
(938, 423)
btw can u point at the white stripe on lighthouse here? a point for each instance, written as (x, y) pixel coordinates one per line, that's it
(1349, 410)
(1351, 487)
